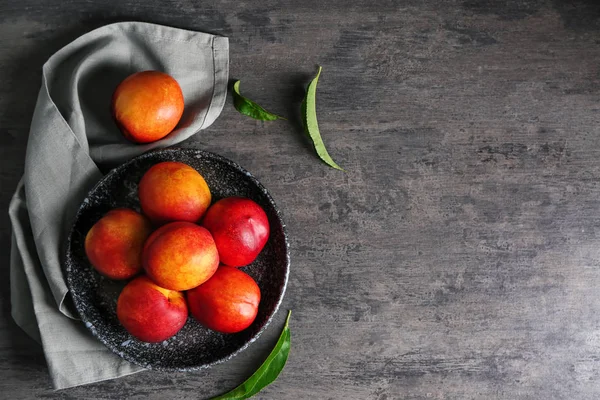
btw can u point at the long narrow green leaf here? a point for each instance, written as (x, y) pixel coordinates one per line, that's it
(248, 107)
(311, 127)
(267, 372)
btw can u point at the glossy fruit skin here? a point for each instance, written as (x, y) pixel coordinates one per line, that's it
(114, 244)
(147, 106)
(173, 191)
(150, 312)
(227, 302)
(180, 256)
(240, 228)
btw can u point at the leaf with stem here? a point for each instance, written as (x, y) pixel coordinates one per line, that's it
(249, 108)
(311, 127)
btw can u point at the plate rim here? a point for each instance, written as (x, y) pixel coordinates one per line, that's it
(68, 266)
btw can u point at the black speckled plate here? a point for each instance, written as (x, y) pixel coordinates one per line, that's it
(95, 296)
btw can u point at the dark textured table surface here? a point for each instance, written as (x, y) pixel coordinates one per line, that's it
(458, 257)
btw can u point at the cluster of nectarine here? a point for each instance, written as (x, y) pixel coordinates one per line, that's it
(190, 260)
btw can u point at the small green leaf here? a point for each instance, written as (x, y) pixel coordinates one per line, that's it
(267, 372)
(309, 119)
(248, 107)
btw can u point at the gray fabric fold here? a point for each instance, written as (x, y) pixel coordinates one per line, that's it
(72, 138)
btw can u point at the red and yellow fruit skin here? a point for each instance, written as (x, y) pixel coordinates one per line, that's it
(114, 244)
(149, 312)
(227, 302)
(240, 228)
(173, 191)
(180, 256)
(147, 106)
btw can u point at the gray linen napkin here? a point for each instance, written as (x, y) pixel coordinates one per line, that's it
(72, 137)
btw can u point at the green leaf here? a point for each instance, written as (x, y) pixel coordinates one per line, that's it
(248, 107)
(309, 119)
(267, 372)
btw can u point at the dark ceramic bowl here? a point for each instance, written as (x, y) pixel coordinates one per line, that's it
(95, 296)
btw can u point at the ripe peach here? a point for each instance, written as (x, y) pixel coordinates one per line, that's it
(149, 312)
(180, 256)
(173, 191)
(240, 228)
(227, 302)
(114, 244)
(147, 106)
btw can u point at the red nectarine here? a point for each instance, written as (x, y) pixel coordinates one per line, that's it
(173, 191)
(227, 302)
(149, 312)
(240, 228)
(180, 256)
(147, 106)
(114, 244)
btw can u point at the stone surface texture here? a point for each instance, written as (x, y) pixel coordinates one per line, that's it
(459, 255)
